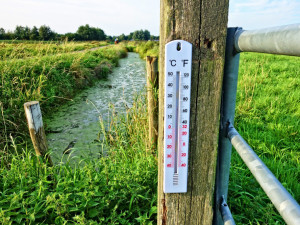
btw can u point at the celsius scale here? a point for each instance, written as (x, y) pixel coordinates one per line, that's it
(178, 62)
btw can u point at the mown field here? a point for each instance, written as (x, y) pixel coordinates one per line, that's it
(121, 187)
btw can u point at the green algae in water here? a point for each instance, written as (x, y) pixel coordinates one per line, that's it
(75, 126)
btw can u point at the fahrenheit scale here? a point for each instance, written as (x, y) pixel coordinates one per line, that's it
(178, 61)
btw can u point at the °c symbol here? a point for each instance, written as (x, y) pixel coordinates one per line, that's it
(173, 62)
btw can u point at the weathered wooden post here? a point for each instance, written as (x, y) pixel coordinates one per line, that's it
(203, 24)
(152, 88)
(37, 133)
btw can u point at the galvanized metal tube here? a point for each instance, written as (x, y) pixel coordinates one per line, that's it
(226, 214)
(227, 115)
(286, 205)
(283, 40)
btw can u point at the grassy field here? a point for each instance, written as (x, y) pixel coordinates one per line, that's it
(121, 187)
(21, 50)
(268, 117)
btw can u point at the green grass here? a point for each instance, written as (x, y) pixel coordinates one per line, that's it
(21, 50)
(267, 116)
(144, 48)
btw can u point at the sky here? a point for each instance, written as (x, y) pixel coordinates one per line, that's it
(125, 16)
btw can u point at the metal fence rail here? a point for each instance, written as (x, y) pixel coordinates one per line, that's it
(286, 205)
(226, 214)
(284, 40)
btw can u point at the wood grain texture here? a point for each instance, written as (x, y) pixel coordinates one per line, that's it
(152, 88)
(37, 133)
(204, 24)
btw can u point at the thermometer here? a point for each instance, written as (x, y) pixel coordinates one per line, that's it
(178, 61)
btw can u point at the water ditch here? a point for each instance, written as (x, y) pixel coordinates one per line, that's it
(74, 128)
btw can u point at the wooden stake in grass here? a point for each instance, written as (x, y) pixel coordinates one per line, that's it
(203, 23)
(36, 130)
(152, 87)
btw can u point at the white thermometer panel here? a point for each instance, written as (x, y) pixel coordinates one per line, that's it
(178, 62)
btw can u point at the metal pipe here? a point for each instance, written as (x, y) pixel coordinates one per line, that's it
(286, 205)
(283, 40)
(226, 214)
(230, 79)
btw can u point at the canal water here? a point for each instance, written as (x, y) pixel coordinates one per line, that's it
(75, 126)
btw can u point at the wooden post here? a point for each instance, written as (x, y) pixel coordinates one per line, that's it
(152, 88)
(204, 24)
(36, 130)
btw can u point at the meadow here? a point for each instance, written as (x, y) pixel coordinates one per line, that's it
(120, 188)
(24, 49)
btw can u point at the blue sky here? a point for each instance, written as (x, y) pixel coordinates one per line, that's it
(255, 14)
(124, 16)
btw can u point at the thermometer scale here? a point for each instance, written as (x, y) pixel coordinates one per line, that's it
(178, 61)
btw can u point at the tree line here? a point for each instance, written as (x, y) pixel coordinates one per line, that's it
(83, 33)
(138, 35)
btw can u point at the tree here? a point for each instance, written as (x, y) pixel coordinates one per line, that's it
(146, 35)
(22, 33)
(83, 32)
(9, 35)
(122, 37)
(88, 33)
(34, 33)
(70, 37)
(130, 36)
(2, 34)
(100, 34)
(45, 33)
(138, 35)
(18, 32)
(26, 34)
